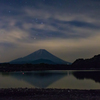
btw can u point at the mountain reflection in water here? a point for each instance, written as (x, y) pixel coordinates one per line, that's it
(40, 79)
(51, 79)
(94, 75)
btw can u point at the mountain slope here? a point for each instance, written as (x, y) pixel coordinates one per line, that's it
(93, 62)
(39, 54)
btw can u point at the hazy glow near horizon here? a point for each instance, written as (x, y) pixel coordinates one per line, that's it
(69, 29)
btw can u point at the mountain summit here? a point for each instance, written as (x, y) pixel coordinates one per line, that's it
(39, 56)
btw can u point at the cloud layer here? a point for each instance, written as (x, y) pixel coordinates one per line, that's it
(68, 29)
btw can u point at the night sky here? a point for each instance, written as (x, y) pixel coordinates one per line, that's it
(69, 29)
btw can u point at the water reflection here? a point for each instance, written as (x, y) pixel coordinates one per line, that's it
(5, 74)
(51, 79)
(40, 79)
(94, 75)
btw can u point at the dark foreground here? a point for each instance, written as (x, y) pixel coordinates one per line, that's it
(48, 94)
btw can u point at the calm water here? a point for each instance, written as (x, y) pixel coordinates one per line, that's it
(51, 79)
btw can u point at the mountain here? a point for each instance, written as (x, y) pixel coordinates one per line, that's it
(39, 56)
(43, 61)
(93, 62)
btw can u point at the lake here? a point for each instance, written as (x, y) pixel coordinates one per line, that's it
(51, 79)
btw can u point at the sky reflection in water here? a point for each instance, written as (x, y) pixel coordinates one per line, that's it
(51, 79)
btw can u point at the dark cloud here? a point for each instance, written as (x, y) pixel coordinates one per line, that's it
(28, 23)
(7, 45)
(82, 24)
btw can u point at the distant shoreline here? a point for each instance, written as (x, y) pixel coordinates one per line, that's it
(6, 67)
(48, 94)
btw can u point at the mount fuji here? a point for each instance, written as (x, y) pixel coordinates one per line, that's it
(39, 56)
